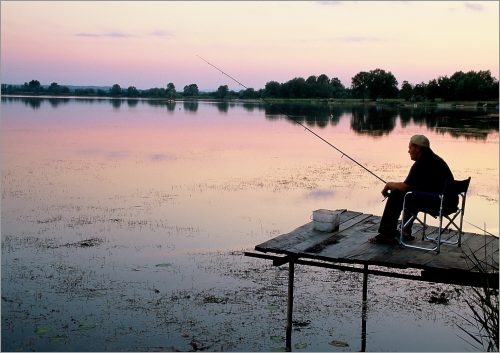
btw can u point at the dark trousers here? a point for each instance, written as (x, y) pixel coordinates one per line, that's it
(414, 203)
(393, 207)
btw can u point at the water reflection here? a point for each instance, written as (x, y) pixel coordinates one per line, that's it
(222, 107)
(132, 102)
(190, 106)
(378, 121)
(374, 121)
(32, 103)
(116, 103)
(312, 114)
(55, 102)
(364, 119)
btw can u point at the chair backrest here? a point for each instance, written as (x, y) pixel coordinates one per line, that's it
(461, 186)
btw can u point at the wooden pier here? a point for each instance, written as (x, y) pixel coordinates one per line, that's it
(474, 263)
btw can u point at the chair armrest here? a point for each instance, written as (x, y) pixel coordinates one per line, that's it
(425, 195)
(423, 201)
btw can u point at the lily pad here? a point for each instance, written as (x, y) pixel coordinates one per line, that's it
(214, 299)
(273, 307)
(337, 343)
(300, 345)
(42, 330)
(164, 264)
(58, 338)
(86, 326)
(277, 339)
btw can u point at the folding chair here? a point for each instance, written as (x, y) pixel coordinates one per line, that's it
(436, 206)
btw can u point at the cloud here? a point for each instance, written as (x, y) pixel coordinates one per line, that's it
(105, 34)
(329, 2)
(113, 154)
(160, 33)
(118, 34)
(346, 39)
(160, 157)
(358, 39)
(473, 6)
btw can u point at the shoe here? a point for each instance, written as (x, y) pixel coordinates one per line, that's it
(383, 239)
(407, 236)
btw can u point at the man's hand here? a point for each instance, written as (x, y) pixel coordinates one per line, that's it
(386, 190)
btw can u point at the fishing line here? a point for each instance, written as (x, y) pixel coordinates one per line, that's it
(305, 127)
(482, 229)
(321, 138)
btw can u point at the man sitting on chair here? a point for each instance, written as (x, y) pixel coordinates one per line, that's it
(429, 173)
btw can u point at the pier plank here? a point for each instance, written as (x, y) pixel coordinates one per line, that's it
(304, 233)
(350, 245)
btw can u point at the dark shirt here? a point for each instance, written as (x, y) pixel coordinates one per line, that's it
(430, 173)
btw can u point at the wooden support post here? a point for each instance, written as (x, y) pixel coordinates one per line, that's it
(289, 323)
(363, 308)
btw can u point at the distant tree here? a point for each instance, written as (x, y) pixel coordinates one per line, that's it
(64, 90)
(248, 93)
(311, 86)
(222, 92)
(115, 90)
(323, 79)
(360, 85)
(323, 90)
(33, 86)
(432, 91)
(337, 88)
(132, 92)
(54, 88)
(191, 90)
(295, 88)
(445, 87)
(158, 92)
(375, 84)
(406, 91)
(420, 92)
(7, 89)
(383, 84)
(232, 94)
(85, 92)
(171, 90)
(472, 85)
(272, 89)
(311, 80)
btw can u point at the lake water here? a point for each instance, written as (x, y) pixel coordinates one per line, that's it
(123, 222)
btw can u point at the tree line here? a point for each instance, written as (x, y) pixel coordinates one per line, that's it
(372, 85)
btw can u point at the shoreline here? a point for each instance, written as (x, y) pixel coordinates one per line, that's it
(487, 105)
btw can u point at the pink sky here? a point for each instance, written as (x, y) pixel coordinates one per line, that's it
(149, 44)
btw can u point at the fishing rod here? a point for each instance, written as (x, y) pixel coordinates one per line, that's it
(305, 127)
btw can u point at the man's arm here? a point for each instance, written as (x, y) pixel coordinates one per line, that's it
(394, 185)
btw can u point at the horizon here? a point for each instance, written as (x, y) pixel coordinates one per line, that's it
(149, 44)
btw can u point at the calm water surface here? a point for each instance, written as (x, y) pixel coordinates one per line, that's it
(170, 195)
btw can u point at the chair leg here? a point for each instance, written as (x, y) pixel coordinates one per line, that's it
(424, 226)
(406, 245)
(450, 221)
